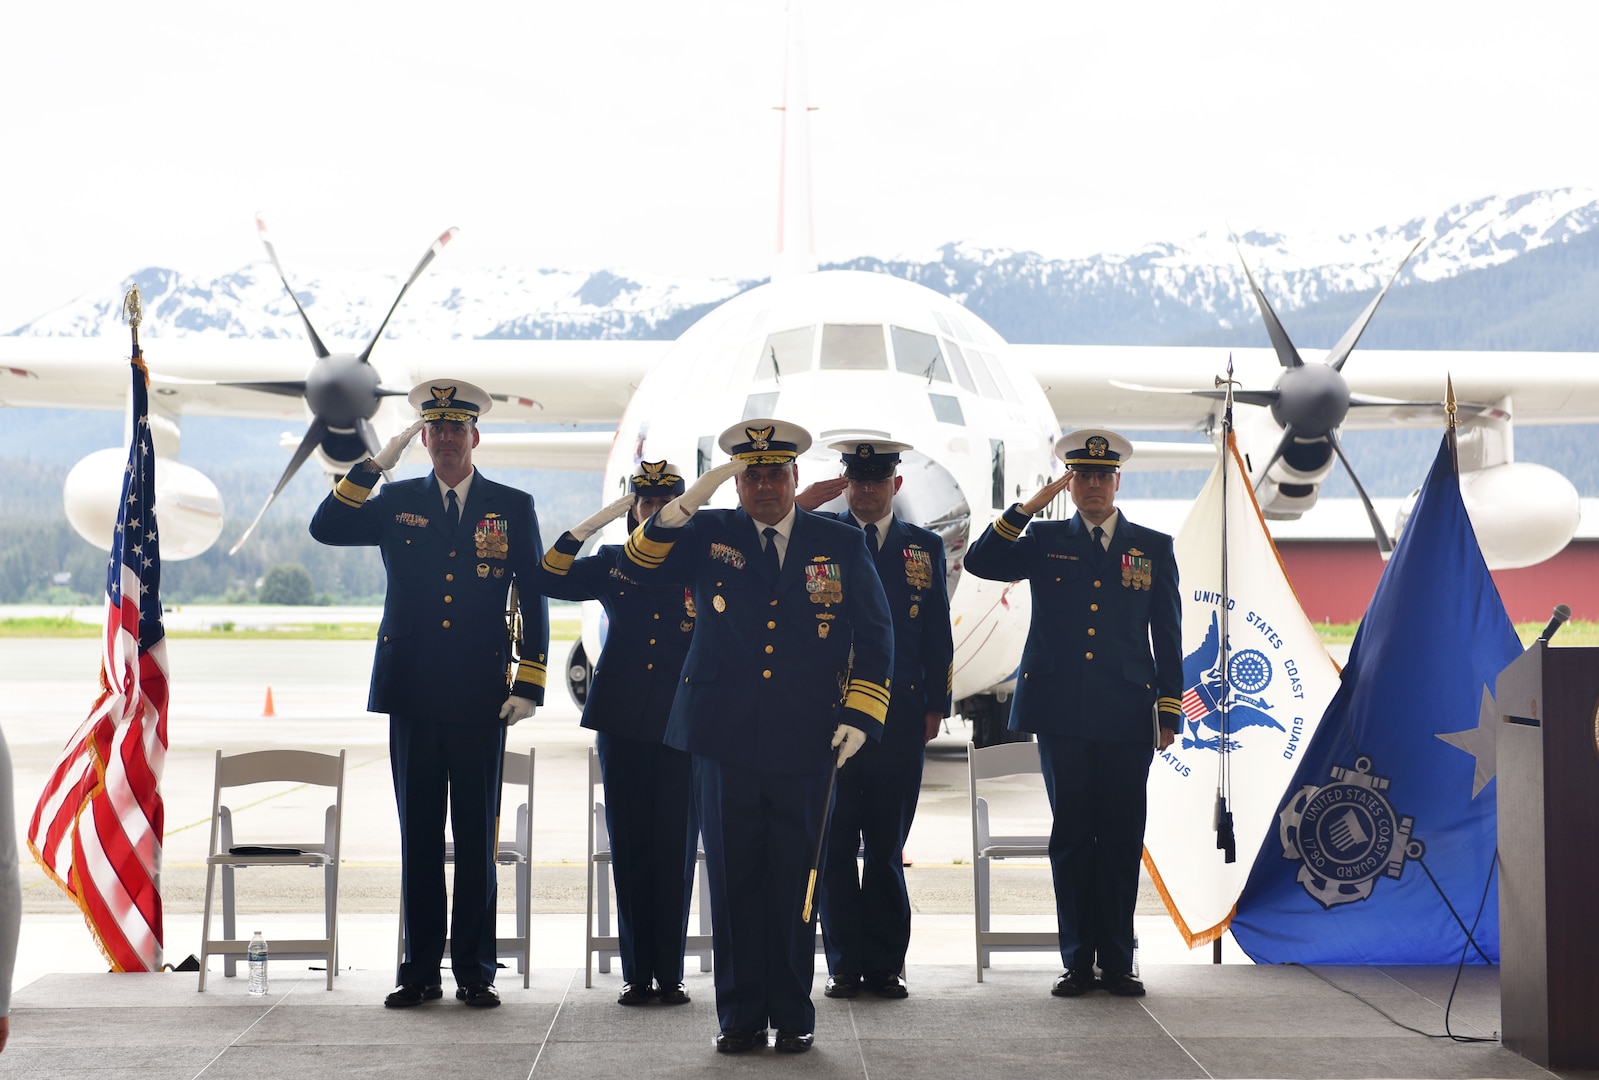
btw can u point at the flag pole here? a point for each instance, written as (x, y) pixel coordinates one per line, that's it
(1226, 841)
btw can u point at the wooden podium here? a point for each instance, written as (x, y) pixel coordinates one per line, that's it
(1548, 769)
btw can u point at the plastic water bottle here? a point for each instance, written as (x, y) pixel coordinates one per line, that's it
(1135, 957)
(257, 954)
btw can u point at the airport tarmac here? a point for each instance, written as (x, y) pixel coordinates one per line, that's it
(69, 1017)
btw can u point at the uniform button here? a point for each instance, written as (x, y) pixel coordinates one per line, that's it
(1024, 674)
(771, 625)
(657, 615)
(1090, 631)
(449, 577)
(718, 584)
(773, 603)
(385, 636)
(408, 541)
(621, 592)
(652, 641)
(1088, 656)
(452, 554)
(446, 624)
(768, 648)
(1096, 584)
(1057, 579)
(649, 667)
(767, 674)
(1093, 607)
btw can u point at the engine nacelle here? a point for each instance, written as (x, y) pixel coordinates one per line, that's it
(188, 505)
(1294, 480)
(1522, 513)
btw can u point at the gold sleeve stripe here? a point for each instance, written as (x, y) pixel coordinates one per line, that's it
(529, 672)
(646, 552)
(1169, 704)
(861, 686)
(949, 680)
(557, 562)
(866, 703)
(351, 494)
(1006, 530)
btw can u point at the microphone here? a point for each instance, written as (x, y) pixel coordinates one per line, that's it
(1561, 614)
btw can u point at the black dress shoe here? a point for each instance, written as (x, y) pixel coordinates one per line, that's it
(638, 993)
(480, 995)
(733, 1041)
(842, 986)
(671, 995)
(1073, 983)
(408, 994)
(1122, 984)
(793, 1042)
(886, 986)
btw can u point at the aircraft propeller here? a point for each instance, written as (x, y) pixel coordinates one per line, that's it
(343, 390)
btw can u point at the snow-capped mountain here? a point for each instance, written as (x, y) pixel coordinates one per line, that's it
(1158, 293)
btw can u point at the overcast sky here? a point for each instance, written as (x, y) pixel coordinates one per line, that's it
(640, 133)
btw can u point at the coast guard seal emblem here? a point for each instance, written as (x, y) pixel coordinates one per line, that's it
(1345, 835)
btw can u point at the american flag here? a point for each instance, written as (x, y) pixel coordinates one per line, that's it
(98, 826)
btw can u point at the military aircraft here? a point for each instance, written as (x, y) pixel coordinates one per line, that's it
(841, 351)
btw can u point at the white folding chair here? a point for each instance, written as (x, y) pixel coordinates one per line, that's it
(989, 763)
(268, 766)
(604, 944)
(516, 773)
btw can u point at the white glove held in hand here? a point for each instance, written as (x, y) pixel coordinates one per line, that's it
(516, 708)
(388, 457)
(595, 522)
(848, 739)
(675, 514)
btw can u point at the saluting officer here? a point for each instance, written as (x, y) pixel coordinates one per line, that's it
(769, 703)
(1099, 683)
(866, 918)
(452, 544)
(648, 785)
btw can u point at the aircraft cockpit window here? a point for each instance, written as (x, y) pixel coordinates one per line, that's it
(947, 409)
(985, 380)
(1007, 390)
(853, 347)
(943, 324)
(785, 352)
(757, 405)
(960, 329)
(918, 354)
(957, 360)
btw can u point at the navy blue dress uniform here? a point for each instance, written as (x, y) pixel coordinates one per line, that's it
(1102, 664)
(442, 671)
(648, 785)
(780, 657)
(866, 916)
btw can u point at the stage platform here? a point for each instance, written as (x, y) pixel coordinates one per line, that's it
(1198, 1020)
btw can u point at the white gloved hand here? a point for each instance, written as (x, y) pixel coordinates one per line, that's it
(675, 514)
(516, 708)
(848, 739)
(388, 457)
(594, 522)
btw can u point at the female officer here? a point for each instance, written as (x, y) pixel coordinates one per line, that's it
(648, 785)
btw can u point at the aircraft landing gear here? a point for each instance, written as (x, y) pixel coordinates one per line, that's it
(988, 716)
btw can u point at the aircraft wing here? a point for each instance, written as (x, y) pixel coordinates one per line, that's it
(1144, 387)
(536, 381)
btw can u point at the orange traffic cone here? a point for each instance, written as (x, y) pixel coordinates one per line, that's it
(267, 709)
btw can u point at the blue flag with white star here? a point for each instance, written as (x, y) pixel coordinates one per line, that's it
(1383, 849)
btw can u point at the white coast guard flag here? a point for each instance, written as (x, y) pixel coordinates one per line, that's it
(1280, 679)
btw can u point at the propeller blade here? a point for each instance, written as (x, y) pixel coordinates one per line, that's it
(432, 252)
(287, 389)
(1289, 434)
(316, 342)
(1384, 545)
(313, 438)
(1346, 344)
(1287, 355)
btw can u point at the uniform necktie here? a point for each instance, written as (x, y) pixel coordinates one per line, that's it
(452, 511)
(772, 565)
(871, 537)
(1099, 537)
